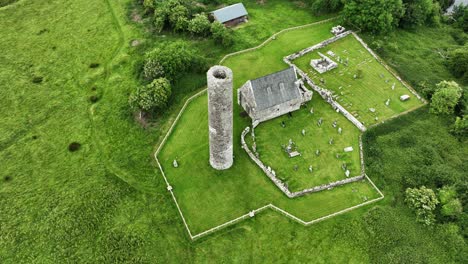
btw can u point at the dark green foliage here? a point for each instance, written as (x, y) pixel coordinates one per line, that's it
(74, 146)
(416, 12)
(172, 60)
(423, 202)
(153, 96)
(445, 98)
(173, 13)
(458, 63)
(460, 16)
(93, 98)
(94, 65)
(326, 6)
(221, 34)
(6, 2)
(460, 127)
(199, 25)
(377, 16)
(37, 79)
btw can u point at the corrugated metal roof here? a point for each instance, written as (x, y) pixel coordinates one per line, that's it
(230, 12)
(275, 89)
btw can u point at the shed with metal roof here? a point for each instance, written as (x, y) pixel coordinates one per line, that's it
(231, 15)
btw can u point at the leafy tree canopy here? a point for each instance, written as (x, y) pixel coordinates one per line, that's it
(377, 16)
(152, 96)
(445, 98)
(423, 202)
(171, 61)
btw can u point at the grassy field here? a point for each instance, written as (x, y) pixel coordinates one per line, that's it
(209, 197)
(107, 202)
(358, 95)
(270, 136)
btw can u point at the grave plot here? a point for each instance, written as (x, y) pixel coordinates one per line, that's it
(307, 147)
(208, 198)
(359, 83)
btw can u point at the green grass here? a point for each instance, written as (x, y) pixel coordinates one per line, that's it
(244, 186)
(358, 95)
(209, 197)
(107, 202)
(326, 167)
(416, 54)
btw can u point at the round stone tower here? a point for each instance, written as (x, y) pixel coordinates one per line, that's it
(220, 116)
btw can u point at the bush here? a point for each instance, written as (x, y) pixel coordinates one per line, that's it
(445, 98)
(153, 96)
(221, 34)
(37, 79)
(171, 61)
(458, 63)
(377, 16)
(199, 25)
(423, 201)
(74, 146)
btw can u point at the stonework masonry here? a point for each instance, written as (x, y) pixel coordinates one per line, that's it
(220, 116)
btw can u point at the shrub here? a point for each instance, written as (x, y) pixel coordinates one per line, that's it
(94, 65)
(171, 61)
(74, 146)
(458, 63)
(377, 16)
(199, 25)
(445, 98)
(423, 201)
(221, 34)
(37, 79)
(93, 98)
(150, 97)
(7, 178)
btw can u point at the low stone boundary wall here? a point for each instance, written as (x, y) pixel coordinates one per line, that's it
(282, 186)
(317, 46)
(273, 37)
(326, 94)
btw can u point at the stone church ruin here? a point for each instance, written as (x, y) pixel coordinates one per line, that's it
(273, 95)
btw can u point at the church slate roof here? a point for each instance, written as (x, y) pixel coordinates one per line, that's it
(275, 89)
(230, 12)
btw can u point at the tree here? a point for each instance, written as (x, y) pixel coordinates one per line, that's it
(460, 127)
(173, 12)
(178, 15)
(221, 34)
(326, 6)
(171, 61)
(460, 15)
(416, 12)
(445, 97)
(451, 205)
(458, 63)
(199, 25)
(423, 202)
(151, 97)
(377, 16)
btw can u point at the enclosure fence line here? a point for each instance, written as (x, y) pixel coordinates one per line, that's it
(273, 37)
(260, 209)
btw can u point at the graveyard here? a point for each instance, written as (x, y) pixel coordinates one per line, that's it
(320, 136)
(360, 83)
(208, 198)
